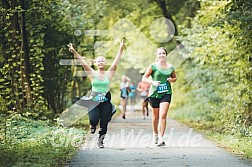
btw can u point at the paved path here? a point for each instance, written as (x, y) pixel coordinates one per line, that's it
(129, 143)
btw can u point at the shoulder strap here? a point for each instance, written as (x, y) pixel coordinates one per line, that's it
(95, 75)
(107, 75)
(153, 67)
(173, 68)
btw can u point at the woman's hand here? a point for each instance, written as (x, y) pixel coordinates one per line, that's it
(173, 78)
(85, 65)
(170, 80)
(122, 44)
(155, 83)
(71, 48)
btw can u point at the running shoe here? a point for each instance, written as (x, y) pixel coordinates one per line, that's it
(100, 144)
(113, 109)
(156, 140)
(92, 129)
(161, 144)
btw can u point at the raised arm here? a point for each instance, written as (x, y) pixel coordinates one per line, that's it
(127, 79)
(117, 58)
(85, 65)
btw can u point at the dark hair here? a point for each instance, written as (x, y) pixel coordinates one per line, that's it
(163, 49)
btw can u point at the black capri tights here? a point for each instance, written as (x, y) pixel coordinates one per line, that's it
(102, 113)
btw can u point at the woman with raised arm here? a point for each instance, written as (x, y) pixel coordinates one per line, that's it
(160, 93)
(99, 105)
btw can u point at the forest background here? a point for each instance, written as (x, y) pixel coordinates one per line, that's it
(213, 91)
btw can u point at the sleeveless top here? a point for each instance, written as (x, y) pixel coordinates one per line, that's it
(124, 90)
(101, 86)
(160, 75)
(133, 91)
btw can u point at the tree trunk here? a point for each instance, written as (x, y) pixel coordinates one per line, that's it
(25, 63)
(6, 5)
(15, 83)
(162, 5)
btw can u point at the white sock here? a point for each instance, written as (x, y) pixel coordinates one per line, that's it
(155, 135)
(161, 138)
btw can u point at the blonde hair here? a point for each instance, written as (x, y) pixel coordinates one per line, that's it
(99, 57)
(94, 60)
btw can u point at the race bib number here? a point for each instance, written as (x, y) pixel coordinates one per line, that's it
(162, 88)
(100, 98)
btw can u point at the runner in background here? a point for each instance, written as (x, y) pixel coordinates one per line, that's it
(143, 88)
(132, 95)
(124, 88)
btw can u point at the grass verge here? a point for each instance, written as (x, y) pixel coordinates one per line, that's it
(26, 142)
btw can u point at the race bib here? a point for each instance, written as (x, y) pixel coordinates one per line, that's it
(100, 98)
(124, 93)
(162, 88)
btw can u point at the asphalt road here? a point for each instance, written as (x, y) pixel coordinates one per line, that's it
(129, 143)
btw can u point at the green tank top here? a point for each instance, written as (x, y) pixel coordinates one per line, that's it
(101, 86)
(160, 75)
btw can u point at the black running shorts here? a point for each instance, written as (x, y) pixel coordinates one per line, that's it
(154, 102)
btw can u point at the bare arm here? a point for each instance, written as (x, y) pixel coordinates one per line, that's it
(139, 87)
(117, 58)
(147, 75)
(128, 79)
(85, 65)
(173, 77)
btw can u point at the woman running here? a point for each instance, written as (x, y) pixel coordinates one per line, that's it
(124, 88)
(160, 93)
(143, 88)
(99, 105)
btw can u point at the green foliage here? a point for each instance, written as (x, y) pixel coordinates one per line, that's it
(35, 87)
(48, 38)
(44, 87)
(217, 79)
(26, 142)
(213, 89)
(239, 145)
(10, 62)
